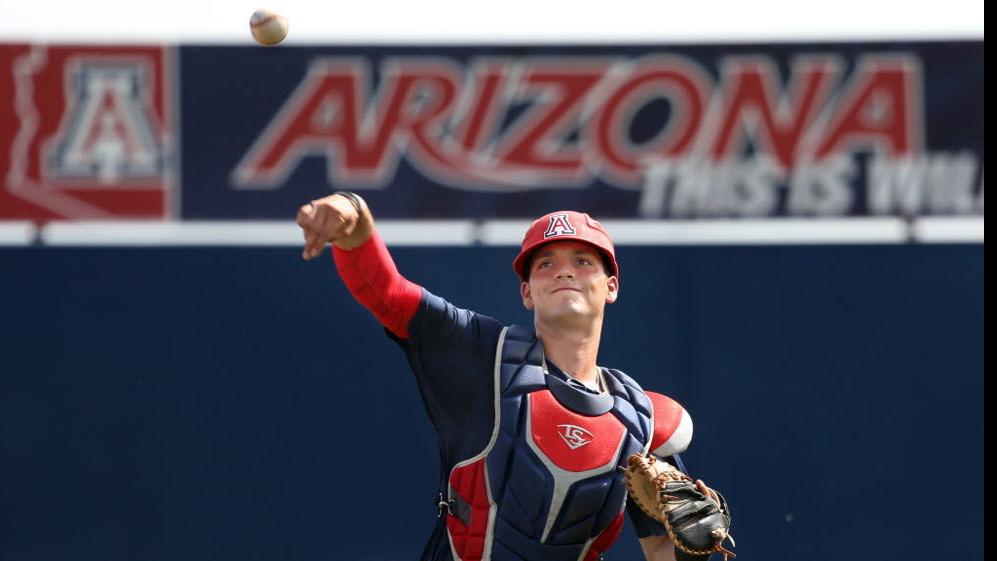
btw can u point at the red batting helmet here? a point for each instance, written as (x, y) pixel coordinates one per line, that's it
(565, 225)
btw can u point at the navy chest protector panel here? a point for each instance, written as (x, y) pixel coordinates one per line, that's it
(547, 486)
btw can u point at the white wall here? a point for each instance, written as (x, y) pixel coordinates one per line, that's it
(338, 21)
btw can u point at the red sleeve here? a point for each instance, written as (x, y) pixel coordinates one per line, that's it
(672, 426)
(372, 278)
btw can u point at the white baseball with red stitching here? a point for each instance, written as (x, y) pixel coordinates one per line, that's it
(268, 28)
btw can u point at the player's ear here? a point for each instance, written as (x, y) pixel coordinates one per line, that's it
(613, 283)
(524, 291)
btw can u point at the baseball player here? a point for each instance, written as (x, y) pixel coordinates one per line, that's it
(533, 434)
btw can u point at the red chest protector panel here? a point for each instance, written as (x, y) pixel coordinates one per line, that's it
(570, 441)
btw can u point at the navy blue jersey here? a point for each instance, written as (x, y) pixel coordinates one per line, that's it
(452, 352)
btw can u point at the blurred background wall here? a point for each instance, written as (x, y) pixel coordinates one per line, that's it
(220, 403)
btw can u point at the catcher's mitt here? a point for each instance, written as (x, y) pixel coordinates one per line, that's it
(696, 524)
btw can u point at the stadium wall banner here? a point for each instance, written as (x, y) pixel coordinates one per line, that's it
(87, 132)
(738, 131)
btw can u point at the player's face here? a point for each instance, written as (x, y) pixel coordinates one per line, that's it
(568, 282)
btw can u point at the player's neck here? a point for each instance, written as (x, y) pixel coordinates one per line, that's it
(574, 351)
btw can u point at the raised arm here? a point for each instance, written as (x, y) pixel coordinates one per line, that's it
(361, 258)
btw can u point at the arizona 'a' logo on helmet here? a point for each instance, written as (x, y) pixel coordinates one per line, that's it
(559, 226)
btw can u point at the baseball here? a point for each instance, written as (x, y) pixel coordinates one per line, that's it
(268, 28)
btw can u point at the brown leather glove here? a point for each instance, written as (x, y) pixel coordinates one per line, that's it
(696, 523)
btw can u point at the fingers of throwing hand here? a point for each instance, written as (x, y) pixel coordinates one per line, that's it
(313, 244)
(305, 214)
(314, 241)
(315, 236)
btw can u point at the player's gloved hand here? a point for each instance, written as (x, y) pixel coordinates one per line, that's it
(696, 517)
(336, 218)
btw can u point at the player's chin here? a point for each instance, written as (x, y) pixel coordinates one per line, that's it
(570, 310)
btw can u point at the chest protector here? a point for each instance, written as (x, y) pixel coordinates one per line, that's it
(547, 486)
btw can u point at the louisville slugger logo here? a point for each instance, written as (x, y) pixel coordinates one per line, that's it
(509, 124)
(574, 436)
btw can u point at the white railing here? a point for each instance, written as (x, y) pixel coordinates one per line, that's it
(502, 232)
